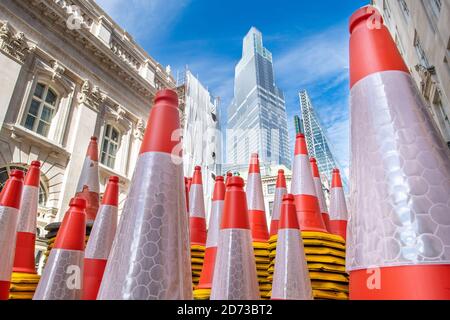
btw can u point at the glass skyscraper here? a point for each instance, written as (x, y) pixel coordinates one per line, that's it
(317, 141)
(257, 120)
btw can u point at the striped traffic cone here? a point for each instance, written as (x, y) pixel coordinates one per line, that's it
(62, 278)
(24, 278)
(338, 206)
(235, 270)
(197, 223)
(398, 230)
(9, 215)
(280, 191)
(319, 193)
(150, 255)
(203, 290)
(88, 186)
(26, 228)
(304, 190)
(100, 240)
(291, 277)
(258, 224)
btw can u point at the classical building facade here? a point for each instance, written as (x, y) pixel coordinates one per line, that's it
(67, 72)
(421, 30)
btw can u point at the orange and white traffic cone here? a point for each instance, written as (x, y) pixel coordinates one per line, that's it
(62, 278)
(255, 202)
(203, 289)
(398, 229)
(258, 224)
(88, 185)
(150, 255)
(319, 193)
(9, 215)
(291, 276)
(197, 223)
(24, 261)
(235, 269)
(197, 210)
(338, 206)
(280, 191)
(100, 240)
(304, 190)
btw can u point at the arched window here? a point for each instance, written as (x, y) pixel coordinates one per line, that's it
(41, 110)
(4, 175)
(110, 145)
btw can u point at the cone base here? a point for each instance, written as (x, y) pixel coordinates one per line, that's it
(419, 282)
(339, 227)
(4, 290)
(93, 274)
(198, 230)
(208, 269)
(258, 224)
(24, 257)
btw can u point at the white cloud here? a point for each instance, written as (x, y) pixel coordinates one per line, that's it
(144, 18)
(319, 63)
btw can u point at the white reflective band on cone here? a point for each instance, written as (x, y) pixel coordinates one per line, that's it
(214, 223)
(279, 192)
(102, 234)
(154, 261)
(89, 176)
(255, 198)
(302, 179)
(320, 196)
(62, 278)
(196, 201)
(291, 276)
(235, 269)
(400, 197)
(28, 204)
(338, 206)
(8, 223)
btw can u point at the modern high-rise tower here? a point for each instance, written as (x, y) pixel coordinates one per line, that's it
(317, 141)
(257, 120)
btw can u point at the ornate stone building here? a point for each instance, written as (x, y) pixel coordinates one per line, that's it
(67, 72)
(421, 29)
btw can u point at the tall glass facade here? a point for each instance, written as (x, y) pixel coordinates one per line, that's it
(317, 141)
(257, 120)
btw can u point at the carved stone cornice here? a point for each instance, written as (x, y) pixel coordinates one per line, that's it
(13, 43)
(139, 129)
(91, 95)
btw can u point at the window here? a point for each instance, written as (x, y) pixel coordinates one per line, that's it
(271, 207)
(41, 110)
(405, 9)
(4, 175)
(110, 146)
(420, 52)
(271, 188)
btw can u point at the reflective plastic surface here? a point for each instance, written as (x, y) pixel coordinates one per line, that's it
(400, 177)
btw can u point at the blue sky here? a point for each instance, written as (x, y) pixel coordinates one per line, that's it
(308, 40)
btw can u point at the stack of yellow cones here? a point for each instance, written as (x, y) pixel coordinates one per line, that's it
(23, 286)
(197, 257)
(325, 256)
(261, 250)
